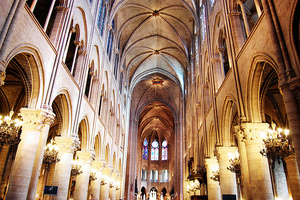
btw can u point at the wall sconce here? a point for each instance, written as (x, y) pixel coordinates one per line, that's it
(278, 143)
(76, 168)
(9, 130)
(51, 153)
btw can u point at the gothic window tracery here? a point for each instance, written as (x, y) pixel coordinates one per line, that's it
(154, 150)
(101, 17)
(203, 22)
(145, 150)
(164, 150)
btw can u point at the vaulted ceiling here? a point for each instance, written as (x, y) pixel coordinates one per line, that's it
(155, 40)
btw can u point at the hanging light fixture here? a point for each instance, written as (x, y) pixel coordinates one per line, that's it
(9, 130)
(235, 166)
(93, 175)
(215, 176)
(51, 153)
(278, 144)
(76, 168)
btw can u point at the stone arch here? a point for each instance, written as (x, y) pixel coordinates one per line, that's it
(31, 65)
(212, 140)
(107, 154)
(63, 99)
(98, 146)
(228, 115)
(253, 86)
(83, 134)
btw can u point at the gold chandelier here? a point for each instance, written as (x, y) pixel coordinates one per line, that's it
(215, 176)
(278, 144)
(76, 168)
(51, 153)
(9, 130)
(93, 175)
(235, 166)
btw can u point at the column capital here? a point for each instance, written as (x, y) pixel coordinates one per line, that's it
(107, 171)
(67, 144)
(85, 156)
(254, 131)
(209, 162)
(222, 152)
(98, 165)
(35, 118)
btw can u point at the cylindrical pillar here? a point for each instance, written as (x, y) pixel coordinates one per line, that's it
(82, 180)
(67, 146)
(227, 178)
(96, 184)
(213, 187)
(259, 172)
(245, 181)
(40, 155)
(293, 176)
(105, 183)
(21, 173)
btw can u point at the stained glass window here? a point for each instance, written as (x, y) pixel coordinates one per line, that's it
(212, 3)
(154, 150)
(196, 47)
(145, 150)
(164, 150)
(203, 23)
(110, 40)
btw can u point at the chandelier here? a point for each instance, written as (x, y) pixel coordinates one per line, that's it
(278, 144)
(51, 152)
(76, 168)
(9, 130)
(215, 176)
(93, 175)
(235, 166)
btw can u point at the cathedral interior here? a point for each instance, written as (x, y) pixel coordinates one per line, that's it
(150, 99)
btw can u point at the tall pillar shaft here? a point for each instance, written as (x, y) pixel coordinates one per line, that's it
(213, 187)
(227, 178)
(259, 173)
(96, 184)
(22, 170)
(40, 155)
(61, 178)
(293, 176)
(245, 181)
(105, 183)
(82, 180)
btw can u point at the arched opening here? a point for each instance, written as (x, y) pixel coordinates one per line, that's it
(14, 95)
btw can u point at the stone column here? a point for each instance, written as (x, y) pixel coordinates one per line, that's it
(293, 176)
(33, 122)
(82, 180)
(213, 187)
(96, 184)
(247, 28)
(61, 178)
(259, 172)
(40, 154)
(245, 181)
(4, 153)
(227, 178)
(61, 12)
(105, 183)
(112, 189)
